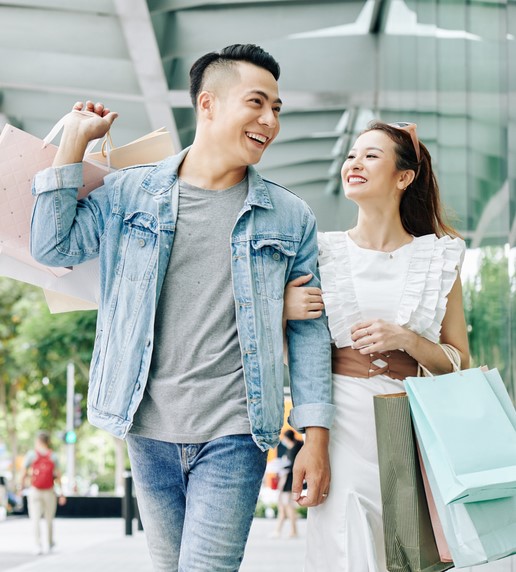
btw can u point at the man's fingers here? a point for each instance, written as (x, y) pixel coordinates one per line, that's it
(315, 495)
(111, 116)
(297, 484)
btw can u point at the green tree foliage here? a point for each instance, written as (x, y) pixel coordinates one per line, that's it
(12, 379)
(36, 346)
(487, 302)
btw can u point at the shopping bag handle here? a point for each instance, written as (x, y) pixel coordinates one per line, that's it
(60, 124)
(451, 353)
(107, 147)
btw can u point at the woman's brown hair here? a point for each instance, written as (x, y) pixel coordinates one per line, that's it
(421, 211)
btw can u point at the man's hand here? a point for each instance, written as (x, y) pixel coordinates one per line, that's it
(312, 465)
(93, 122)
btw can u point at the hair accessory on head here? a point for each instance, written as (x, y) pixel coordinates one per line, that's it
(410, 128)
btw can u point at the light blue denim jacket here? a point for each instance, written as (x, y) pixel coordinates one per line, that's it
(129, 223)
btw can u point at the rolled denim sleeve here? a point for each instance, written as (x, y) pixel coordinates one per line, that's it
(55, 178)
(65, 231)
(309, 348)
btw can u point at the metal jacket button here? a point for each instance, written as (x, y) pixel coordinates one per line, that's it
(141, 242)
(276, 256)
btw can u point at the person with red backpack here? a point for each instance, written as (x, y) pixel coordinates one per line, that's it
(42, 466)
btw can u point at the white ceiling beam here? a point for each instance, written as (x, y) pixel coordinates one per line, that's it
(98, 94)
(180, 98)
(143, 48)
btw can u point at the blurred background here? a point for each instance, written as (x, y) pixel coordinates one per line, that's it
(447, 65)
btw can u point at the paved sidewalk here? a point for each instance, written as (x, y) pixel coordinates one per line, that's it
(87, 545)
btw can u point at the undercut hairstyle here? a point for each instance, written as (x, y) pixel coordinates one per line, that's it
(226, 60)
(421, 209)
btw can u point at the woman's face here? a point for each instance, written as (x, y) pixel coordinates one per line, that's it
(369, 172)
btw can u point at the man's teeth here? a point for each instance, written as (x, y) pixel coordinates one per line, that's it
(256, 137)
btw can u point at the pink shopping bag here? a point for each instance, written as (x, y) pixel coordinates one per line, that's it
(440, 540)
(22, 155)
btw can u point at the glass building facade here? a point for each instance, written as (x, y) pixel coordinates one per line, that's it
(454, 74)
(450, 67)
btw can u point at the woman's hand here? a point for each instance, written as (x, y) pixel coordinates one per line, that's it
(302, 303)
(379, 336)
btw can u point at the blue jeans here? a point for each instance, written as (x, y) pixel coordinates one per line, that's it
(197, 500)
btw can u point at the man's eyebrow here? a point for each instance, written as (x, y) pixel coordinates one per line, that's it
(264, 95)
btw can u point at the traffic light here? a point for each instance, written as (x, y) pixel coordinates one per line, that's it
(77, 410)
(70, 437)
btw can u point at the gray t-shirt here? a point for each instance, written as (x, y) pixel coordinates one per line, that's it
(196, 390)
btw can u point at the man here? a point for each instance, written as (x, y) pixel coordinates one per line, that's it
(195, 253)
(42, 466)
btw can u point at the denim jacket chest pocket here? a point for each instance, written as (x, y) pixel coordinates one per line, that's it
(138, 248)
(270, 259)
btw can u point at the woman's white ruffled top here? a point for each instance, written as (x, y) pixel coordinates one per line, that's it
(416, 280)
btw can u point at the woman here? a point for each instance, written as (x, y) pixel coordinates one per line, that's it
(392, 295)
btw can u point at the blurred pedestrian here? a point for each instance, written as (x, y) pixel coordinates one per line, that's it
(287, 508)
(3, 498)
(41, 465)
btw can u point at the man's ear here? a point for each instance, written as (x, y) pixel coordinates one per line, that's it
(206, 104)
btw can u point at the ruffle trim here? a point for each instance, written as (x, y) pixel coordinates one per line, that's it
(432, 272)
(338, 290)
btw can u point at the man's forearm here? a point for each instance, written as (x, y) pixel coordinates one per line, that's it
(318, 436)
(72, 147)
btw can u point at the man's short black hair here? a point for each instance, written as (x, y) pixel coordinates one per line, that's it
(249, 53)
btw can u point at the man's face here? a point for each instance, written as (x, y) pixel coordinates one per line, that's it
(245, 119)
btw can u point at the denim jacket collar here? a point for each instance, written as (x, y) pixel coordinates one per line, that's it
(164, 175)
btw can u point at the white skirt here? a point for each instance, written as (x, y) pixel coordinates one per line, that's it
(345, 533)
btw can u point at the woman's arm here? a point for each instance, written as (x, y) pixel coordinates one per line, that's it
(302, 303)
(381, 336)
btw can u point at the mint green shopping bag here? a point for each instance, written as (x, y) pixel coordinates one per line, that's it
(476, 532)
(466, 424)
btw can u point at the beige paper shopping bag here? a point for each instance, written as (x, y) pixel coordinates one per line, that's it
(150, 148)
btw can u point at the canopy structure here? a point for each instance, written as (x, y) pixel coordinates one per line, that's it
(448, 66)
